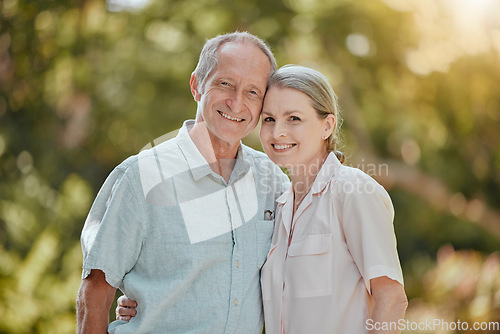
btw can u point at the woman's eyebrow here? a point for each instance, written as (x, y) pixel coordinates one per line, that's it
(286, 113)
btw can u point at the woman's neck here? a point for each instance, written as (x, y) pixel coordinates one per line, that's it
(303, 176)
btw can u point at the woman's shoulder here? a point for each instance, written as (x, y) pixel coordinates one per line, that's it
(351, 180)
(349, 173)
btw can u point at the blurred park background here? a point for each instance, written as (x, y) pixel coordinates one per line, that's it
(85, 84)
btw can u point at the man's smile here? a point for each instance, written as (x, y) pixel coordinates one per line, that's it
(229, 117)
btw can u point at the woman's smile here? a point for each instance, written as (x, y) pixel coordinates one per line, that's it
(282, 147)
(291, 131)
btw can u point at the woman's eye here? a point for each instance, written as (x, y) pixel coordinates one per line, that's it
(294, 118)
(268, 119)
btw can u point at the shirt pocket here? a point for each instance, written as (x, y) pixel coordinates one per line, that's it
(309, 266)
(264, 232)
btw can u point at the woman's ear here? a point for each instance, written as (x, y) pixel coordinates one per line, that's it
(329, 125)
(193, 83)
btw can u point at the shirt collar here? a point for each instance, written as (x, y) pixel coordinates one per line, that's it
(241, 166)
(197, 163)
(324, 176)
(283, 198)
(326, 173)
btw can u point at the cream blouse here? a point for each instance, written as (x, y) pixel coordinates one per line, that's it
(343, 236)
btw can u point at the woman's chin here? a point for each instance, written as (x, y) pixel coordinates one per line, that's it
(278, 158)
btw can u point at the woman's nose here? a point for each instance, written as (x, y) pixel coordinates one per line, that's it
(279, 130)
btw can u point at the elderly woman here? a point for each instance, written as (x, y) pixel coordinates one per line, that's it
(333, 265)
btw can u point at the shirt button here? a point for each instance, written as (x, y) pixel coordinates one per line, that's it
(235, 302)
(237, 263)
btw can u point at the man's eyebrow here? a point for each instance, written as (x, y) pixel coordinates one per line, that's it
(254, 87)
(219, 79)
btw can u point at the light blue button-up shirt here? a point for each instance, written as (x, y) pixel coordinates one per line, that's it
(181, 241)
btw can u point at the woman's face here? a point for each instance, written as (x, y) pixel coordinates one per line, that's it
(292, 132)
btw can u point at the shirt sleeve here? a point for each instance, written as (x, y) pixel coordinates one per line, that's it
(367, 221)
(113, 232)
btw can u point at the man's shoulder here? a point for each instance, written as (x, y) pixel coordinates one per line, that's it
(253, 154)
(127, 164)
(168, 149)
(258, 159)
(262, 165)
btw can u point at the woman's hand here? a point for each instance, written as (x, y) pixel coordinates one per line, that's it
(125, 309)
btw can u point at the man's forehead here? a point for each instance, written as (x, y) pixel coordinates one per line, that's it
(235, 46)
(242, 52)
(236, 62)
(229, 71)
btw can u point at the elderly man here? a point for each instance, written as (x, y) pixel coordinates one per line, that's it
(184, 228)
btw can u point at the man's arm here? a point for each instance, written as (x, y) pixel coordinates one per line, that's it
(93, 303)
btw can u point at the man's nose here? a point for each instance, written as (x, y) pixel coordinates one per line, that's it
(236, 101)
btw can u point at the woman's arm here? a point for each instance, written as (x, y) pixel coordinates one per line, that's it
(390, 304)
(125, 309)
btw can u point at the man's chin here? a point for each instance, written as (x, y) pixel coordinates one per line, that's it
(227, 137)
(230, 134)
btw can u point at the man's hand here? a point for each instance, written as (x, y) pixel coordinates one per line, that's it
(93, 303)
(125, 309)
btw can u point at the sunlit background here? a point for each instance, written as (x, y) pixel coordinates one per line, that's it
(85, 84)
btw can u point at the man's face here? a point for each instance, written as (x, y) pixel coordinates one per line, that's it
(232, 97)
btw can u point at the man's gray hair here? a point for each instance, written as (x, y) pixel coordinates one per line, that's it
(209, 56)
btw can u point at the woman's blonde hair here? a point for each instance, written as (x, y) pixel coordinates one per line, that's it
(316, 86)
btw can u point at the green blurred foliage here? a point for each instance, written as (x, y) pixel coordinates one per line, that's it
(82, 88)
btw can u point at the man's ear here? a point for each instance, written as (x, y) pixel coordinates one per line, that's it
(193, 83)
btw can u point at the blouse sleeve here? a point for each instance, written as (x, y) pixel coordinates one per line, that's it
(367, 221)
(113, 232)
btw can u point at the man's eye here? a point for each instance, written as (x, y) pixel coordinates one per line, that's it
(254, 92)
(268, 119)
(294, 118)
(223, 83)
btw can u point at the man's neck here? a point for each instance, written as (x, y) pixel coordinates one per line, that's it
(220, 155)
